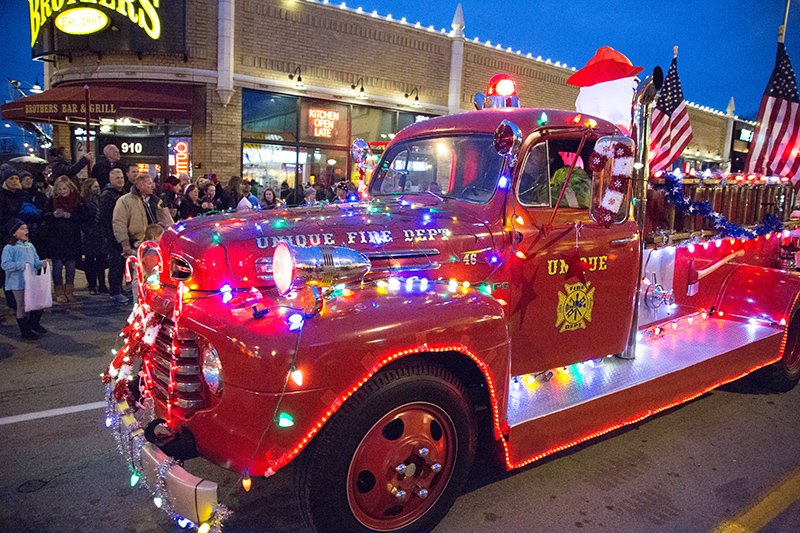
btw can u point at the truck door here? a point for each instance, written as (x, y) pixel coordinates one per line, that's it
(572, 282)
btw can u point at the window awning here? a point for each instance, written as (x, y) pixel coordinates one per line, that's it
(143, 101)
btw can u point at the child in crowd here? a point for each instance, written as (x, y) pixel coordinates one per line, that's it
(150, 258)
(16, 254)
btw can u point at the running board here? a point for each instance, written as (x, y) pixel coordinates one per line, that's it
(586, 400)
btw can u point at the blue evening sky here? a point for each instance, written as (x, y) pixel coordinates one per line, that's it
(727, 48)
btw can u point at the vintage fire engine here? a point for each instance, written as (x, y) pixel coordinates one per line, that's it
(513, 270)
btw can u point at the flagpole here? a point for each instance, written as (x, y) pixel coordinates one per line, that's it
(786, 16)
(782, 29)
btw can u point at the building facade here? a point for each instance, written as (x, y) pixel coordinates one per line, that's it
(275, 90)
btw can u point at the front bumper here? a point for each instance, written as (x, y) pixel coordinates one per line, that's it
(180, 494)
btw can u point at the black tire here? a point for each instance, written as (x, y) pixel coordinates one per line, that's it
(335, 483)
(783, 375)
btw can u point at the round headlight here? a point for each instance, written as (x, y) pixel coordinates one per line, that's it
(212, 369)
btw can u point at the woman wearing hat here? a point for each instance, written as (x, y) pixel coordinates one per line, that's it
(11, 200)
(16, 254)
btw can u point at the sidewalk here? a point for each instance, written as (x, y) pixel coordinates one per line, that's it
(73, 327)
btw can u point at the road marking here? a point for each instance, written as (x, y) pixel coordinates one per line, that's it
(771, 505)
(51, 412)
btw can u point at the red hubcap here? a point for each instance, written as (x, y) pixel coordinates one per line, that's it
(401, 466)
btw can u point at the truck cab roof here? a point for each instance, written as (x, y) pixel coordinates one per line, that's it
(487, 120)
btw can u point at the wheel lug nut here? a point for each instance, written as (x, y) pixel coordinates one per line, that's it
(400, 469)
(423, 452)
(400, 495)
(436, 467)
(422, 493)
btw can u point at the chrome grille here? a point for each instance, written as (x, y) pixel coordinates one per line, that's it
(187, 395)
(264, 268)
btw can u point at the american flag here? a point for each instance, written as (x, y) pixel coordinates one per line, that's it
(776, 144)
(670, 131)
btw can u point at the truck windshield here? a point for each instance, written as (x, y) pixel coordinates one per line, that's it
(465, 167)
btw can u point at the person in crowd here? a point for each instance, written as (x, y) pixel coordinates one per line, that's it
(16, 254)
(63, 237)
(135, 211)
(93, 247)
(190, 206)
(150, 257)
(62, 164)
(232, 194)
(11, 200)
(285, 190)
(169, 199)
(342, 191)
(311, 196)
(112, 249)
(131, 172)
(45, 186)
(268, 200)
(110, 159)
(247, 193)
(34, 202)
(208, 193)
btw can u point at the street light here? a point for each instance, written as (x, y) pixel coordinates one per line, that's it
(36, 88)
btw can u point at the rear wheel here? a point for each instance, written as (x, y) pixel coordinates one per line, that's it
(783, 375)
(394, 458)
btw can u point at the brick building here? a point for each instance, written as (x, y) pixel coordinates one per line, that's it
(276, 89)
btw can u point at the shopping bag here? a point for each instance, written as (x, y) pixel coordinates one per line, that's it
(37, 288)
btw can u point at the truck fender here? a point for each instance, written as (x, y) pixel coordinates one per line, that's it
(759, 293)
(354, 339)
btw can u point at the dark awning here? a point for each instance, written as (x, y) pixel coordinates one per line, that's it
(143, 101)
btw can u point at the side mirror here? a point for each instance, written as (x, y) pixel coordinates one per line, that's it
(508, 140)
(360, 150)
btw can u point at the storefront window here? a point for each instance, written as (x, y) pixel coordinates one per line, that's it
(302, 140)
(271, 165)
(323, 165)
(269, 117)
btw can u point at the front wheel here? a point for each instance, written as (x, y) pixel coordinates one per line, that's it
(394, 458)
(783, 375)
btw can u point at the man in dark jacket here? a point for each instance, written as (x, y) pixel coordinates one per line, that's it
(104, 165)
(116, 261)
(63, 165)
(131, 171)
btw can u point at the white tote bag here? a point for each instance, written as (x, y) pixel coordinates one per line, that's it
(37, 288)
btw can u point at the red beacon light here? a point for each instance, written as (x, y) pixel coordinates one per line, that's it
(501, 92)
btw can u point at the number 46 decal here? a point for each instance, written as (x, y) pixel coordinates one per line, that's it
(471, 258)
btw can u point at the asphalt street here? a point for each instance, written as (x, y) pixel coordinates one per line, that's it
(727, 461)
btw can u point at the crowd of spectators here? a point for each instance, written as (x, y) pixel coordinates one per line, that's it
(93, 224)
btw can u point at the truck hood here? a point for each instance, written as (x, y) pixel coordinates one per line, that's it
(409, 233)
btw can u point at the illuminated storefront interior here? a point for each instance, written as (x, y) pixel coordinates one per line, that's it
(289, 139)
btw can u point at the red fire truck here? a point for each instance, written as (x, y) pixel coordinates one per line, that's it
(513, 270)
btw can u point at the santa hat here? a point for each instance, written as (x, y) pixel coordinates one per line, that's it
(606, 65)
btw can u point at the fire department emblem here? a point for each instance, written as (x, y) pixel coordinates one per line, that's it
(575, 307)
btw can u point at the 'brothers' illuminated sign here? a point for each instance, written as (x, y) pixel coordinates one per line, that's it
(145, 14)
(68, 26)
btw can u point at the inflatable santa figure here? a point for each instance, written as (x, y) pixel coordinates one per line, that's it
(607, 84)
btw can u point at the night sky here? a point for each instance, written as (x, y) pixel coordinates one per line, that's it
(727, 48)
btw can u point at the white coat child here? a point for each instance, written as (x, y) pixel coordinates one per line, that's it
(18, 253)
